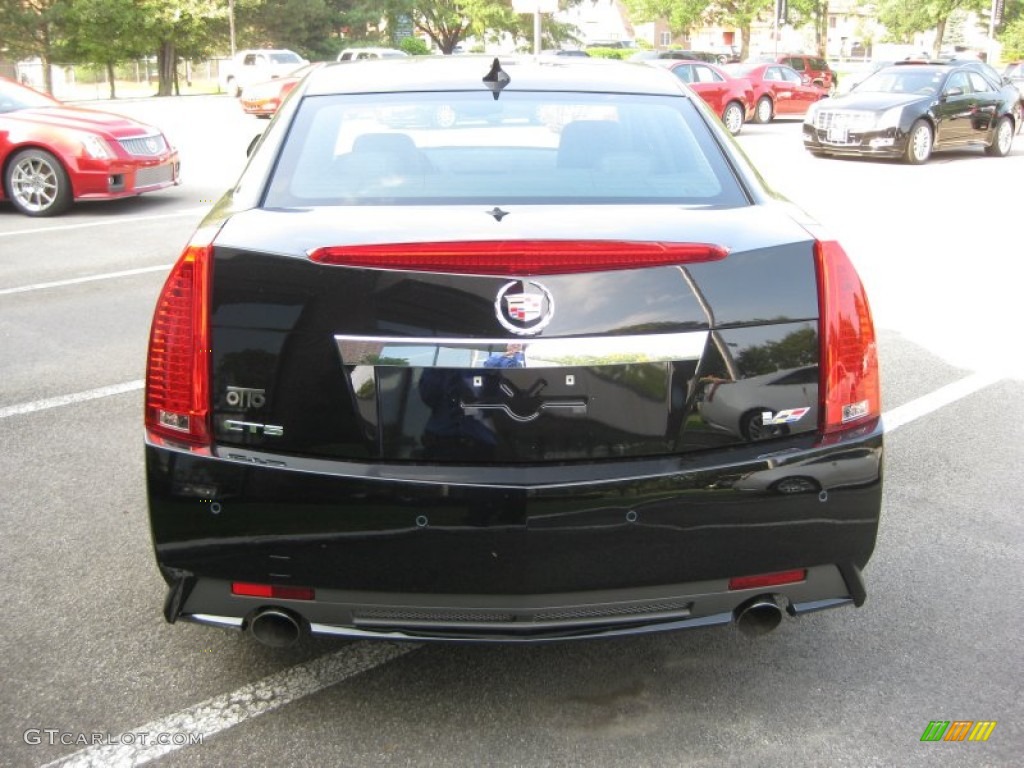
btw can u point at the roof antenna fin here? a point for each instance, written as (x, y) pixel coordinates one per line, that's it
(496, 79)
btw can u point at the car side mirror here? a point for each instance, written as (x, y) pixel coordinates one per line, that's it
(955, 91)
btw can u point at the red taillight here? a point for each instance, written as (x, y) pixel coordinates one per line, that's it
(850, 392)
(518, 258)
(768, 579)
(178, 367)
(246, 589)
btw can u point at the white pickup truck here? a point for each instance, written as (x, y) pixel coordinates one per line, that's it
(256, 66)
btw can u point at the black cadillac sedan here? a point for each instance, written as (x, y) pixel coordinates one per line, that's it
(910, 109)
(445, 382)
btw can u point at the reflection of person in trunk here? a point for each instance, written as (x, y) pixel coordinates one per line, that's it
(450, 433)
(513, 357)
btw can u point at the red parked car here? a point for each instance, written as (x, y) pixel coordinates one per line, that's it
(732, 98)
(815, 67)
(778, 90)
(263, 99)
(52, 155)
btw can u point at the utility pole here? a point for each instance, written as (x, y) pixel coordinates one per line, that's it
(231, 25)
(994, 19)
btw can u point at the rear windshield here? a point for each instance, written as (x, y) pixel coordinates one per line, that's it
(463, 148)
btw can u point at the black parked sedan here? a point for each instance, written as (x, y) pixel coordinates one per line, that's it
(909, 110)
(445, 382)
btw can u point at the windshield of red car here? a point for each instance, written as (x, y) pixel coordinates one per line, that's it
(14, 96)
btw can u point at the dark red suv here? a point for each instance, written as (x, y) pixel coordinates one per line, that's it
(815, 67)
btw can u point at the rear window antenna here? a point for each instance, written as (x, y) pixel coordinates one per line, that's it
(496, 79)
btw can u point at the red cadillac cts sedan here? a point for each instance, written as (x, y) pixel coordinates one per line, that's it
(779, 91)
(52, 155)
(263, 99)
(731, 98)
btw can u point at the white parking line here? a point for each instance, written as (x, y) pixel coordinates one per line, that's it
(86, 279)
(933, 401)
(77, 397)
(214, 715)
(119, 221)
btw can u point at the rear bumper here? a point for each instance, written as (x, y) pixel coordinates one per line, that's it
(511, 554)
(528, 618)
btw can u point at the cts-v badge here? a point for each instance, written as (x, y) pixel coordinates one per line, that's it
(788, 416)
(527, 311)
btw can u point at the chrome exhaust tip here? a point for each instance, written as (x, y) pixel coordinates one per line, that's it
(758, 616)
(275, 627)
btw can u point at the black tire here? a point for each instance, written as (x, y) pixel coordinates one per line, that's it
(1002, 138)
(764, 111)
(37, 184)
(919, 143)
(233, 87)
(753, 428)
(733, 117)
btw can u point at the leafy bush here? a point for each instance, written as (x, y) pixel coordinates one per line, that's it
(611, 53)
(414, 46)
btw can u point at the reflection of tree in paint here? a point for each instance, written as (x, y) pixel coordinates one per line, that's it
(794, 350)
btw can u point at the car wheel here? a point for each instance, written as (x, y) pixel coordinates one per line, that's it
(764, 111)
(37, 183)
(444, 116)
(733, 117)
(1003, 139)
(795, 484)
(919, 143)
(753, 428)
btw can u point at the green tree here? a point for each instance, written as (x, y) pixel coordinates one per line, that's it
(1011, 30)
(740, 14)
(904, 18)
(308, 27)
(180, 28)
(450, 22)
(814, 13)
(31, 28)
(681, 15)
(104, 32)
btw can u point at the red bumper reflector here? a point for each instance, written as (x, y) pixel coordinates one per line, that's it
(245, 589)
(768, 579)
(518, 258)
